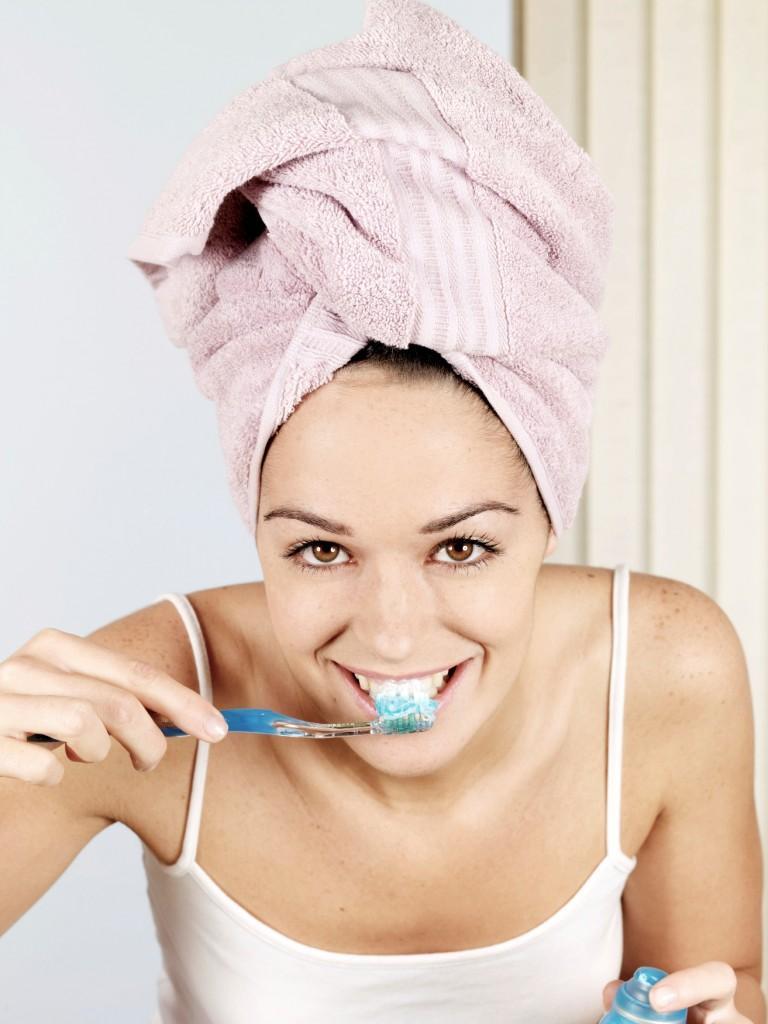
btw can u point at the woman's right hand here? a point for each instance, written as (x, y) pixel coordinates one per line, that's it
(65, 686)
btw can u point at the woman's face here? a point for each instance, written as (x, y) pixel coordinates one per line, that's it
(383, 586)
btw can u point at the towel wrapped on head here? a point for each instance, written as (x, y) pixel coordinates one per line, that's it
(405, 184)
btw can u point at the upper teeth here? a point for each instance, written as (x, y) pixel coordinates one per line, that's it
(432, 684)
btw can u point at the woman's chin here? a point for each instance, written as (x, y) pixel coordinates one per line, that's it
(410, 755)
(406, 755)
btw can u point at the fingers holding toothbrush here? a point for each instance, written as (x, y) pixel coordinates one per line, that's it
(82, 694)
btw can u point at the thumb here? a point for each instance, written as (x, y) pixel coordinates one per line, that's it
(610, 991)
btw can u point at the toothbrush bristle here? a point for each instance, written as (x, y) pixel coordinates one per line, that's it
(408, 711)
(406, 723)
(412, 721)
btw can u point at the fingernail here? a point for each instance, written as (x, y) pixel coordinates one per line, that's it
(216, 726)
(664, 996)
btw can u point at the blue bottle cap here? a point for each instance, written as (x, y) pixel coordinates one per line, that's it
(632, 999)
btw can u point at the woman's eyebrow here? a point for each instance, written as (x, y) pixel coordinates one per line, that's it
(434, 526)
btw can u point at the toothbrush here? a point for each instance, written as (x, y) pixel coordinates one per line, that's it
(270, 723)
(395, 715)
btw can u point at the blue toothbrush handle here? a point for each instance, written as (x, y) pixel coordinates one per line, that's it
(255, 720)
(258, 720)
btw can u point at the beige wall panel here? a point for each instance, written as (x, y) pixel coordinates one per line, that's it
(681, 315)
(616, 139)
(670, 98)
(741, 372)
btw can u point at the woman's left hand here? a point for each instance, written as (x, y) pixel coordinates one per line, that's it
(708, 991)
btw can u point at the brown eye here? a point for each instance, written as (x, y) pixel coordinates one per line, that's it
(322, 555)
(462, 547)
(318, 555)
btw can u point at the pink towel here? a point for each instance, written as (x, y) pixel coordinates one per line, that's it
(405, 184)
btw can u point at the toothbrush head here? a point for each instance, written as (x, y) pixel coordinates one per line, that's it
(411, 722)
(398, 714)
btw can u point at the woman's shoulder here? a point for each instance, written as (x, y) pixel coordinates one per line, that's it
(667, 614)
(156, 635)
(152, 635)
(685, 661)
(682, 648)
(693, 661)
(678, 629)
(687, 690)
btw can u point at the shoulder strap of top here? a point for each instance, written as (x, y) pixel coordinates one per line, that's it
(620, 624)
(195, 808)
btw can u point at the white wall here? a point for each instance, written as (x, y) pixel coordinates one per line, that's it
(112, 488)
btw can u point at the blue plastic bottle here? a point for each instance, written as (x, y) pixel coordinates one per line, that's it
(632, 1003)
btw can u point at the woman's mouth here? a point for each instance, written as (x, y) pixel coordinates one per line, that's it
(440, 685)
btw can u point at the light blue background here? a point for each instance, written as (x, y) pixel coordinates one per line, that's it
(112, 487)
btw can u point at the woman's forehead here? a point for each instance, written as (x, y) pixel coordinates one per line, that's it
(424, 415)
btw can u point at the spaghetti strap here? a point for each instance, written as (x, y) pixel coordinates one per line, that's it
(619, 633)
(195, 808)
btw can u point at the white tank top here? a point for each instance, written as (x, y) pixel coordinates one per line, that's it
(222, 965)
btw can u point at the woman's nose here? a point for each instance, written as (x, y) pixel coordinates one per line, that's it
(390, 614)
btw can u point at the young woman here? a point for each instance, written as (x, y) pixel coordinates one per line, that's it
(582, 807)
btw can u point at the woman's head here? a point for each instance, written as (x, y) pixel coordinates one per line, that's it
(388, 453)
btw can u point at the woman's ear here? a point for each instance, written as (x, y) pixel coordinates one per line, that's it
(551, 543)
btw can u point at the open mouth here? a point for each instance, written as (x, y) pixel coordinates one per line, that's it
(438, 685)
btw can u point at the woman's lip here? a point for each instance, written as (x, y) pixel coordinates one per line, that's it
(363, 698)
(410, 675)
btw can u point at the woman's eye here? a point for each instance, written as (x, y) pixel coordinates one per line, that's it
(324, 551)
(317, 555)
(460, 550)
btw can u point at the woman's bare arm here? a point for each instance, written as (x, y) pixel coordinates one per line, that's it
(696, 893)
(44, 827)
